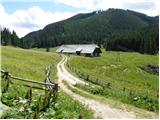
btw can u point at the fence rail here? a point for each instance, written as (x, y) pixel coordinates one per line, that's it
(50, 88)
(48, 79)
(108, 84)
(9, 75)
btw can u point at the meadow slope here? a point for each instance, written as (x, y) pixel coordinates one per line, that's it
(27, 63)
(122, 70)
(30, 64)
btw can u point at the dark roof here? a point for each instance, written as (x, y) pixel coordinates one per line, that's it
(83, 48)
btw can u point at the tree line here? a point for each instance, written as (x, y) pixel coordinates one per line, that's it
(9, 38)
(114, 29)
(143, 41)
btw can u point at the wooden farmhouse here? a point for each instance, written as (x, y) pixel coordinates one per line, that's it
(80, 49)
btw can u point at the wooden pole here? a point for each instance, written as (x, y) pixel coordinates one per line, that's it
(6, 77)
(30, 94)
(124, 89)
(31, 81)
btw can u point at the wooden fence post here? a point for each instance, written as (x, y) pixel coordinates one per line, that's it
(124, 89)
(45, 80)
(7, 81)
(130, 92)
(29, 94)
(157, 93)
(45, 103)
(49, 100)
(54, 93)
(38, 108)
(109, 85)
(87, 77)
(56, 87)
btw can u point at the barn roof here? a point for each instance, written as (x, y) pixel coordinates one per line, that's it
(84, 48)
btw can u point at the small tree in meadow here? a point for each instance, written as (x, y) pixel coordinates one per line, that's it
(47, 49)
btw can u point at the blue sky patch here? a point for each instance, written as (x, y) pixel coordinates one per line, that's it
(11, 7)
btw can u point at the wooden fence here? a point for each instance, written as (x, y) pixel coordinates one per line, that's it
(48, 86)
(105, 84)
(8, 77)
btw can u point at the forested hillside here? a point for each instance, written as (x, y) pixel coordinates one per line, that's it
(9, 38)
(114, 29)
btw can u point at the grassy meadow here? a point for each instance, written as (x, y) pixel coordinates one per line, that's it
(44, 50)
(122, 70)
(31, 64)
(27, 63)
(64, 108)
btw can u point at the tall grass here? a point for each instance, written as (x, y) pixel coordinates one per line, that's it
(122, 70)
(27, 63)
(32, 64)
(65, 107)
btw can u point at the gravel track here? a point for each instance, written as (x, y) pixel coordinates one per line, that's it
(100, 110)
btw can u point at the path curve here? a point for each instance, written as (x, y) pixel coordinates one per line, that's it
(100, 110)
(63, 74)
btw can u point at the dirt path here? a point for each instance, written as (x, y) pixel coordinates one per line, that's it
(63, 74)
(100, 110)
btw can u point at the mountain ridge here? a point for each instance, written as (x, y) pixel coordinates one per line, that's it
(102, 28)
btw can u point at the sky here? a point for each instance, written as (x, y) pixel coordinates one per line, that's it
(24, 16)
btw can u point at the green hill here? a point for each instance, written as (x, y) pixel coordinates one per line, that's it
(100, 27)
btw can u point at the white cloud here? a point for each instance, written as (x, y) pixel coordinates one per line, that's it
(105, 4)
(84, 4)
(25, 21)
(34, 18)
(90, 5)
(149, 7)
